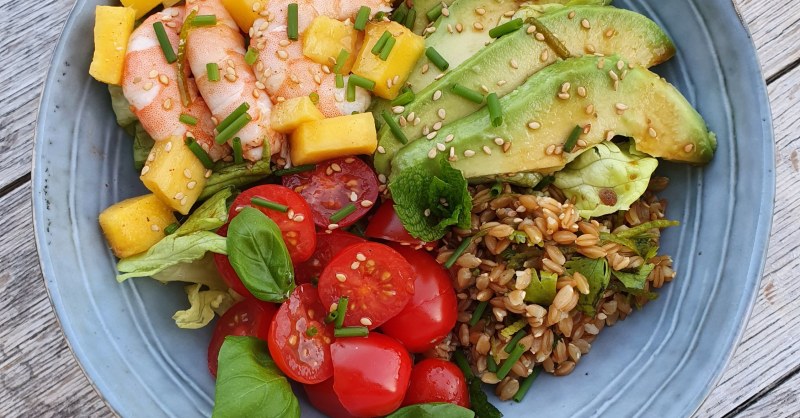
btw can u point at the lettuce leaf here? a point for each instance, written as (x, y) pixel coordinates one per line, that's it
(201, 271)
(122, 108)
(142, 144)
(606, 179)
(204, 304)
(598, 274)
(542, 289)
(171, 250)
(211, 215)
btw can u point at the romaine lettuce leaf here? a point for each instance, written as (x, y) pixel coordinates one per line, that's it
(212, 214)
(204, 304)
(171, 250)
(202, 271)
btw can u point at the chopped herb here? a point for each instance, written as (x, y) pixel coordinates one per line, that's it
(496, 189)
(457, 253)
(341, 311)
(468, 93)
(251, 56)
(213, 71)
(343, 213)
(264, 203)
(394, 127)
(340, 60)
(294, 170)
(437, 59)
(435, 12)
(171, 228)
(351, 332)
(239, 111)
(543, 183)
(361, 18)
(292, 25)
(551, 40)
(311, 332)
(378, 47)
(233, 128)
(495, 110)
(314, 96)
(573, 138)
(404, 98)
(163, 40)
(183, 83)
(351, 90)
(411, 17)
(400, 13)
(387, 48)
(188, 119)
(516, 353)
(199, 152)
(204, 20)
(515, 340)
(491, 364)
(478, 313)
(506, 28)
(525, 386)
(339, 81)
(362, 82)
(236, 144)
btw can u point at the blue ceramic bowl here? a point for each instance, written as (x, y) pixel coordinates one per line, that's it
(661, 361)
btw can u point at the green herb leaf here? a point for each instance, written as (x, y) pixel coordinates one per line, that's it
(235, 175)
(249, 384)
(204, 304)
(432, 410)
(142, 144)
(171, 250)
(259, 256)
(437, 189)
(598, 274)
(634, 282)
(480, 403)
(542, 289)
(212, 214)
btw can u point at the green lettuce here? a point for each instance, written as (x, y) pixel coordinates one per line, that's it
(211, 215)
(542, 289)
(636, 281)
(122, 108)
(204, 305)
(142, 144)
(606, 179)
(171, 250)
(201, 271)
(598, 274)
(431, 198)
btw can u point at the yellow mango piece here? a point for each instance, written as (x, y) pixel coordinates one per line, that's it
(134, 225)
(244, 12)
(142, 7)
(169, 3)
(288, 115)
(112, 29)
(325, 38)
(408, 48)
(174, 174)
(324, 139)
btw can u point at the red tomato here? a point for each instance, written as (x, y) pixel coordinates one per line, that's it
(333, 185)
(304, 355)
(250, 317)
(432, 311)
(325, 400)
(385, 224)
(296, 225)
(435, 380)
(328, 245)
(370, 375)
(377, 281)
(226, 269)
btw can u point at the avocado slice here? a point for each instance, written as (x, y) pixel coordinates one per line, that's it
(612, 30)
(541, 114)
(422, 7)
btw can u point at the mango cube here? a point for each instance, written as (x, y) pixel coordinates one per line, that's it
(112, 29)
(174, 174)
(244, 12)
(287, 116)
(134, 225)
(142, 7)
(325, 38)
(169, 3)
(407, 50)
(324, 139)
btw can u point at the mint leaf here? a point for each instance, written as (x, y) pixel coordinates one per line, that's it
(598, 274)
(435, 189)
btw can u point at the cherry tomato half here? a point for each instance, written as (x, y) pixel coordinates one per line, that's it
(250, 317)
(436, 380)
(370, 375)
(296, 225)
(385, 224)
(333, 185)
(432, 311)
(299, 339)
(226, 269)
(376, 279)
(325, 400)
(328, 245)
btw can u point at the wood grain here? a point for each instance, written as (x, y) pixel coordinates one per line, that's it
(782, 402)
(775, 26)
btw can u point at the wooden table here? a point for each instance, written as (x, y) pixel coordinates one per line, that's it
(40, 377)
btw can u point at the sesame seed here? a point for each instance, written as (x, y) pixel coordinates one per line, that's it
(440, 147)
(353, 196)
(689, 148)
(398, 109)
(616, 85)
(585, 23)
(544, 56)
(534, 125)
(366, 322)
(382, 178)
(550, 149)
(168, 147)
(147, 86)
(589, 48)
(282, 54)
(563, 96)
(293, 340)
(480, 11)
(609, 33)
(459, 27)
(478, 26)
(381, 149)
(442, 113)
(425, 68)
(366, 203)
(559, 150)
(610, 135)
(208, 173)
(449, 26)
(620, 65)
(565, 87)
(582, 91)
(437, 126)
(437, 95)
(531, 29)
(155, 228)
(402, 121)
(501, 83)
(449, 138)
(601, 63)
(333, 226)
(336, 167)
(153, 74)
(417, 121)
(184, 200)
(452, 153)
(506, 146)
(298, 218)
(582, 143)
(514, 64)
(187, 173)
(178, 196)
(499, 141)
(613, 75)
(427, 212)
(539, 36)
(571, 15)
(469, 153)
(486, 150)
(621, 106)
(396, 79)
(145, 169)
(191, 185)
(361, 257)
(652, 132)
(355, 265)
(484, 88)
(230, 77)
(426, 130)
(326, 69)
(589, 109)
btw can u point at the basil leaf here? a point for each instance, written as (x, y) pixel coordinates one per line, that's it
(212, 214)
(432, 410)
(249, 384)
(259, 256)
(480, 403)
(171, 250)
(598, 274)
(235, 175)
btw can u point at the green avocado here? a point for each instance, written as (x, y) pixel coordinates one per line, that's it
(510, 60)
(422, 7)
(604, 96)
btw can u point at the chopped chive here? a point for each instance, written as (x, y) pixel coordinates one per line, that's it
(551, 40)
(362, 82)
(502, 372)
(314, 96)
(515, 340)
(404, 98)
(478, 313)
(236, 144)
(543, 183)
(311, 332)
(188, 119)
(294, 170)
(362, 17)
(496, 189)
(378, 47)
(387, 48)
(163, 40)
(183, 83)
(251, 56)
(340, 60)
(436, 58)
(339, 81)
(171, 228)
(233, 128)
(411, 17)
(351, 332)
(400, 13)
(204, 20)
(350, 95)
(199, 152)
(526, 384)
(457, 253)
(506, 28)
(331, 317)
(463, 364)
(495, 110)
(341, 311)
(291, 26)
(572, 140)
(435, 12)
(239, 111)
(468, 93)
(213, 71)
(491, 363)
(343, 213)
(394, 127)
(379, 16)
(264, 203)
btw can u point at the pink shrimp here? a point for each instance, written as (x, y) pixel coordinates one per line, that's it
(224, 45)
(150, 85)
(282, 68)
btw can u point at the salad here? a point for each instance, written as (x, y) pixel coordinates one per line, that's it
(391, 204)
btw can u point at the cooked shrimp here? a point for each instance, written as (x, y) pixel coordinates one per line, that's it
(282, 68)
(224, 45)
(150, 85)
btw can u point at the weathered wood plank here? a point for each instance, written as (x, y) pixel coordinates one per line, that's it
(782, 402)
(770, 348)
(39, 376)
(775, 26)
